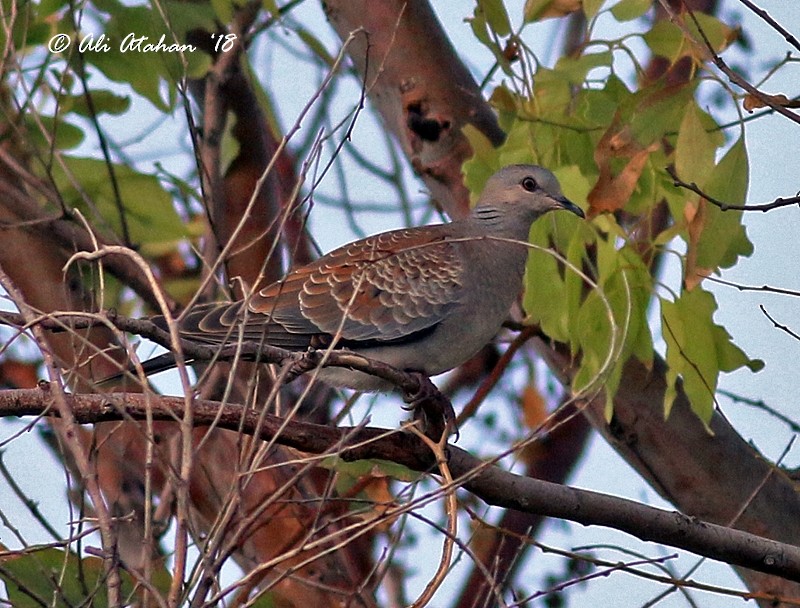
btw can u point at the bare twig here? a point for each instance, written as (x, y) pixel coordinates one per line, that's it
(762, 405)
(777, 203)
(784, 328)
(764, 288)
(439, 450)
(772, 23)
(57, 398)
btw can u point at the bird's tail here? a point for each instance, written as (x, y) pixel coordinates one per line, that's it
(158, 364)
(212, 323)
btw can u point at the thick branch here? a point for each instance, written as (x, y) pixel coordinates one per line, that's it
(490, 483)
(418, 83)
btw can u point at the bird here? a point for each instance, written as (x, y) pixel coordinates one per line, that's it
(423, 299)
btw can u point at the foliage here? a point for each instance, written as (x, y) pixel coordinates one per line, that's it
(611, 144)
(31, 578)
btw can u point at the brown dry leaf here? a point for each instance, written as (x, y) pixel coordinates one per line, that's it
(695, 216)
(612, 192)
(752, 102)
(482, 539)
(534, 408)
(18, 374)
(376, 487)
(534, 411)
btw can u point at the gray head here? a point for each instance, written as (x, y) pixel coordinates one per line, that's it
(524, 188)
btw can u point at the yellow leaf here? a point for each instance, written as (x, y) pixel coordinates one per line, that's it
(544, 9)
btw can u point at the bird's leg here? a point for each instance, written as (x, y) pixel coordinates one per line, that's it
(432, 408)
(300, 363)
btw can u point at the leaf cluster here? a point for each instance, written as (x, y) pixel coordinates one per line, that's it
(610, 143)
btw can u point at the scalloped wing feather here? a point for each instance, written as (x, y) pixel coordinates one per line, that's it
(385, 287)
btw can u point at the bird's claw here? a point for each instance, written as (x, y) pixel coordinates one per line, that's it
(301, 363)
(431, 408)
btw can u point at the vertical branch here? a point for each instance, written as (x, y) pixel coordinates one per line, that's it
(70, 435)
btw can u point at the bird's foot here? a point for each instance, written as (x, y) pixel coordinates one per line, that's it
(431, 408)
(301, 363)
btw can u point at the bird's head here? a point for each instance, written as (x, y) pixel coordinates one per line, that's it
(524, 188)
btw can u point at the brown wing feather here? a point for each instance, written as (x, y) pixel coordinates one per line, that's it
(384, 287)
(226, 323)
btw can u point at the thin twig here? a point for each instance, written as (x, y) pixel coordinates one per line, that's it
(526, 332)
(765, 288)
(777, 325)
(772, 23)
(56, 395)
(777, 203)
(439, 450)
(484, 479)
(761, 405)
(711, 55)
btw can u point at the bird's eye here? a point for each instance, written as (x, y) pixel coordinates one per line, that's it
(529, 184)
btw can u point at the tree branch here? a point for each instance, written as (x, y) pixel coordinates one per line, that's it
(409, 384)
(487, 481)
(778, 202)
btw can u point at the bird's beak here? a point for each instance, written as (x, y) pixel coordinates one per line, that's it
(564, 203)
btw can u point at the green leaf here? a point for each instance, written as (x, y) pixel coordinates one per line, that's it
(140, 70)
(545, 292)
(265, 599)
(695, 149)
(48, 7)
(65, 134)
(596, 108)
(496, 16)
(654, 112)
(592, 7)
(480, 29)
(593, 329)
(718, 34)
(103, 101)
(224, 10)
(151, 219)
(533, 9)
(694, 360)
(611, 325)
(482, 165)
(576, 69)
(371, 466)
(697, 351)
(53, 574)
(271, 6)
(666, 40)
(627, 10)
(724, 238)
(730, 356)
(151, 74)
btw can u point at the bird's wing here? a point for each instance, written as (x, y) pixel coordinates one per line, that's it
(385, 287)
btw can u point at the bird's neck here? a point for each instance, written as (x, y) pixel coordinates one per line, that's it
(500, 222)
